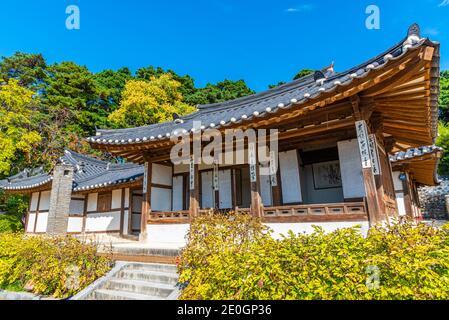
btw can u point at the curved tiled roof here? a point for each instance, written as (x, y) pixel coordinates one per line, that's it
(283, 97)
(89, 173)
(414, 153)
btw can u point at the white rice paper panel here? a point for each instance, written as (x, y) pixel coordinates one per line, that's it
(102, 222)
(225, 189)
(162, 174)
(44, 203)
(265, 191)
(75, 224)
(351, 169)
(291, 185)
(116, 199)
(178, 183)
(34, 200)
(41, 223)
(31, 222)
(207, 192)
(126, 198)
(161, 199)
(92, 202)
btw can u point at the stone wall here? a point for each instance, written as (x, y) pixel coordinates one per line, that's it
(433, 200)
(61, 193)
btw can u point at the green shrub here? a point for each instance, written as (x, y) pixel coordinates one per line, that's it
(238, 259)
(57, 266)
(14, 207)
(9, 223)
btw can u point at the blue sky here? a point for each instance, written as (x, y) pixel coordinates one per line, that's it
(260, 41)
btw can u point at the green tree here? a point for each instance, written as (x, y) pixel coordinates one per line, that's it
(149, 102)
(444, 96)
(222, 91)
(303, 73)
(110, 86)
(27, 69)
(443, 142)
(17, 138)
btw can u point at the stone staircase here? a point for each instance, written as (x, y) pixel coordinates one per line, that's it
(135, 281)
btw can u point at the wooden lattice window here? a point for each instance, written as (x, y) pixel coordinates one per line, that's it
(104, 202)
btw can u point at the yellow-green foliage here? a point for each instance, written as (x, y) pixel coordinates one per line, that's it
(57, 266)
(237, 259)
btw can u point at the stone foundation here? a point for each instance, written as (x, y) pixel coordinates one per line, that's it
(433, 200)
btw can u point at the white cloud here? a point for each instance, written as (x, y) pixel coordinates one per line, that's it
(444, 3)
(303, 7)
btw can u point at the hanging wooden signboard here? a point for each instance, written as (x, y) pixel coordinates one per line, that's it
(374, 155)
(273, 169)
(192, 173)
(252, 162)
(145, 178)
(362, 137)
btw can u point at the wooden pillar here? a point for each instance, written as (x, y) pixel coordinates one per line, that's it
(407, 197)
(194, 203)
(372, 200)
(256, 199)
(146, 201)
(122, 212)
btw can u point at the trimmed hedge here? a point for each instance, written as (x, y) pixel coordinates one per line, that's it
(234, 257)
(57, 266)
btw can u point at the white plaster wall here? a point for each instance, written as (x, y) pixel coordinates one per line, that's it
(401, 203)
(291, 185)
(31, 222)
(34, 200)
(171, 235)
(116, 199)
(174, 235)
(161, 199)
(125, 221)
(266, 191)
(75, 224)
(44, 203)
(41, 223)
(396, 181)
(92, 202)
(161, 174)
(351, 169)
(97, 222)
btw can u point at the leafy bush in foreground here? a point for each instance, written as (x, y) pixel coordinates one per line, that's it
(58, 266)
(234, 257)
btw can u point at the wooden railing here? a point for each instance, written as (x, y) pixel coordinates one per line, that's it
(351, 211)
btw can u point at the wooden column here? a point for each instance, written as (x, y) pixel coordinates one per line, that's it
(146, 200)
(407, 197)
(194, 202)
(122, 212)
(256, 199)
(374, 209)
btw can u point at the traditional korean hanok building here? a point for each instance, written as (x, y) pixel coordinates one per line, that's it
(413, 168)
(81, 195)
(335, 134)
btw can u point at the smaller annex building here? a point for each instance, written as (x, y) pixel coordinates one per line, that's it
(413, 168)
(81, 194)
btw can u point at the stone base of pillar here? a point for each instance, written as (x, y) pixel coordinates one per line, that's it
(143, 236)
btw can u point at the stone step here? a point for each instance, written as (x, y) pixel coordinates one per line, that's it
(106, 294)
(142, 287)
(153, 267)
(152, 276)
